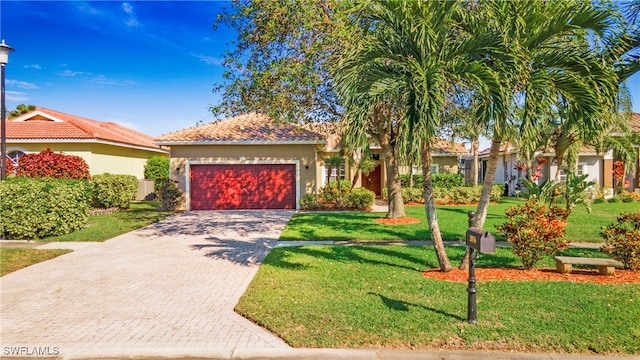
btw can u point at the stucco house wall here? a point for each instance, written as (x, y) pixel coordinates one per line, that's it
(303, 155)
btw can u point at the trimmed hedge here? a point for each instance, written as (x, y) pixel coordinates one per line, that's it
(156, 167)
(459, 195)
(447, 181)
(346, 198)
(38, 208)
(113, 191)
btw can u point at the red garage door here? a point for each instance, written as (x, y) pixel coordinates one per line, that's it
(227, 187)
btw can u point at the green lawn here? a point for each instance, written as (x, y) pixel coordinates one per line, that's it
(18, 258)
(376, 297)
(107, 226)
(583, 227)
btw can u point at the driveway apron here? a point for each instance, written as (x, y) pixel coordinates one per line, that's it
(171, 285)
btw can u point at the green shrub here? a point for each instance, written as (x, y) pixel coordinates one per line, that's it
(412, 195)
(168, 193)
(599, 200)
(113, 191)
(309, 202)
(459, 195)
(447, 181)
(334, 193)
(534, 231)
(156, 167)
(622, 240)
(360, 198)
(38, 208)
(417, 181)
(615, 199)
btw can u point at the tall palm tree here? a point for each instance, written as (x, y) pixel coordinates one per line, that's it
(412, 50)
(530, 46)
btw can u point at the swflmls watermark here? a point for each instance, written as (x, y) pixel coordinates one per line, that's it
(30, 351)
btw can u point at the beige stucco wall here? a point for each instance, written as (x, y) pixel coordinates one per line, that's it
(101, 158)
(304, 156)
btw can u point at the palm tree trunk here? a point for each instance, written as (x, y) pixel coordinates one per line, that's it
(485, 196)
(559, 160)
(394, 185)
(475, 144)
(430, 208)
(489, 178)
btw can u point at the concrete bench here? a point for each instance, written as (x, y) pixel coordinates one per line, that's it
(605, 266)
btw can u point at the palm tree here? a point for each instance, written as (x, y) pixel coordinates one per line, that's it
(530, 45)
(412, 51)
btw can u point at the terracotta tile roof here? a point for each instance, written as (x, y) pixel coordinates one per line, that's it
(441, 146)
(50, 125)
(251, 127)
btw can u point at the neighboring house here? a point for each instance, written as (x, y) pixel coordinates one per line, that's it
(507, 173)
(105, 146)
(598, 167)
(250, 162)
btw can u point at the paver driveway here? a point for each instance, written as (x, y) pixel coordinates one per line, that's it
(171, 285)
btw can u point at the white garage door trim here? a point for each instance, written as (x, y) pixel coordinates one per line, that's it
(239, 162)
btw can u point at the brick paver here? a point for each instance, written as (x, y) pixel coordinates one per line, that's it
(172, 285)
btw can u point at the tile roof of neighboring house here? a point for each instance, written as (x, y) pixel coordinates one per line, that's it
(248, 128)
(440, 146)
(48, 125)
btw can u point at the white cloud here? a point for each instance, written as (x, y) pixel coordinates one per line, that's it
(15, 96)
(132, 21)
(209, 60)
(22, 84)
(96, 78)
(33, 66)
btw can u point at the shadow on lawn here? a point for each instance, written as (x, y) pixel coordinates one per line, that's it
(312, 227)
(401, 305)
(345, 254)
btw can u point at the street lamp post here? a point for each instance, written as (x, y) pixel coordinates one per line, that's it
(4, 59)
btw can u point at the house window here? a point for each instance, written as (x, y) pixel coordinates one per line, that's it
(581, 170)
(339, 173)
(435, 168)
(13, 156)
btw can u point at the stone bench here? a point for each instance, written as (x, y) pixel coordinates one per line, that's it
(605, 266)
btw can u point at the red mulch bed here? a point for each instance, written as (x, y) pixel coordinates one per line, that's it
(576, 275)
(399, 221)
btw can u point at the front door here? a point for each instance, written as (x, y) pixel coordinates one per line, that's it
(373, 181)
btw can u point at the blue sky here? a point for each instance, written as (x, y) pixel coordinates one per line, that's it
(148, 65)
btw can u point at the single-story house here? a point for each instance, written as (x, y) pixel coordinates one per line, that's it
(251, 162)
(598, 166)
(105, 146)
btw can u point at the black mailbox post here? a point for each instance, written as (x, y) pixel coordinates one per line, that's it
(482, 241)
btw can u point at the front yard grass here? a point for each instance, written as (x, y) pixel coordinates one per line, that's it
(376, 297)
(106, 226)
(582, 227)
(13, 259)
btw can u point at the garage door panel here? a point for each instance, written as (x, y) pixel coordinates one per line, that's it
(254, 186)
